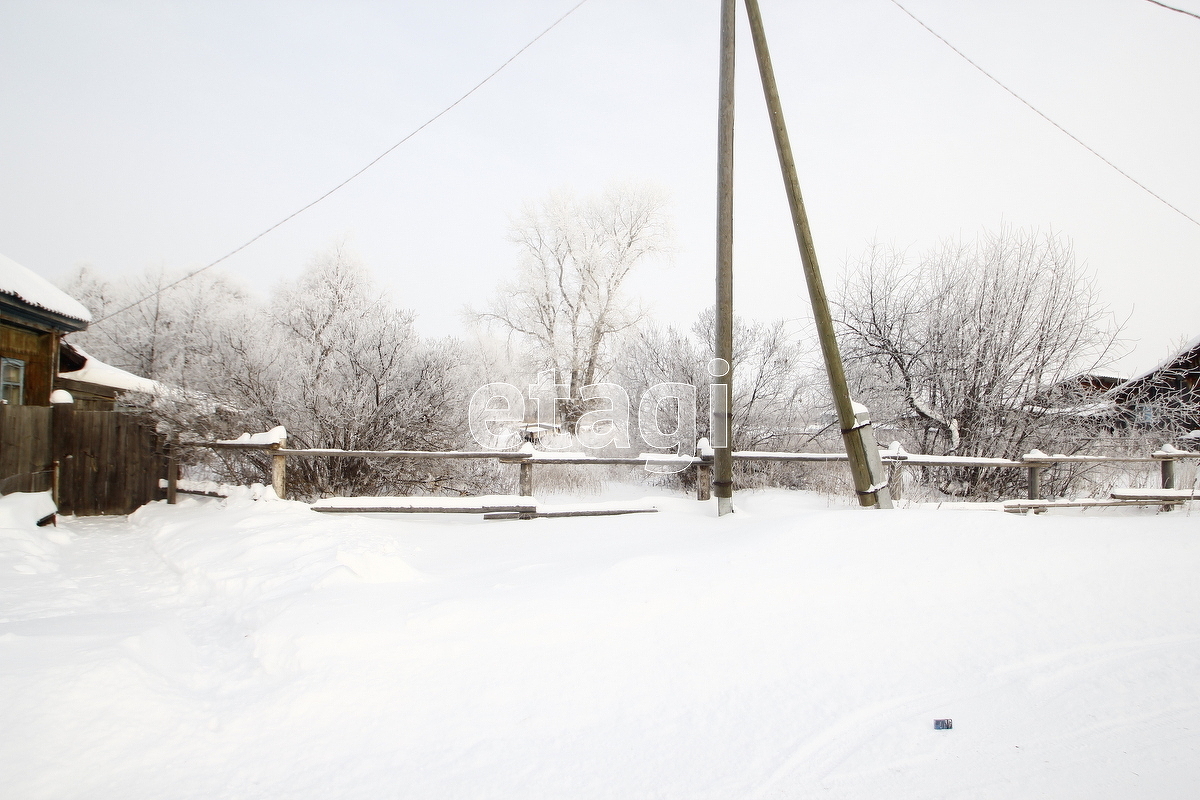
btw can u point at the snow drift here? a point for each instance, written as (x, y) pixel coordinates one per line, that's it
(259, 649)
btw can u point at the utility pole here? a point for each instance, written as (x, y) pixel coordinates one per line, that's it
(865, 463)
(722, 366)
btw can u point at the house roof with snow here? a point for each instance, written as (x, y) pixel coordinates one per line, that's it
(30, 298)
(1103, 375)
(1184, 361)
(95, 371)
(1075, 395)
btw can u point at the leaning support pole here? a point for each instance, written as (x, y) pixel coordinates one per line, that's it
(722, 367)
(865, 464)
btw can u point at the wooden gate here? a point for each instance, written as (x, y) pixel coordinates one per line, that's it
(109, 462)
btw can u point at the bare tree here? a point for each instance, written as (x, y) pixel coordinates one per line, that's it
(961, 344)
(772, 375)
(566, 301)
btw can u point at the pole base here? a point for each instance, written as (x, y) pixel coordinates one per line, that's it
(724, 506)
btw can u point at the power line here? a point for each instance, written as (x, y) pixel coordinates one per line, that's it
(1173, 8)
(1032, 108)
(370, 164)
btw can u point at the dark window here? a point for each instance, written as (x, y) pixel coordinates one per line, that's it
(12, 381)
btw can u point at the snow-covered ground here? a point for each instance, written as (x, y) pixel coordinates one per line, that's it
(241, 649)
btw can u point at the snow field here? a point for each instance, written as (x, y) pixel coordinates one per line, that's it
(24, 548)
(258, 649)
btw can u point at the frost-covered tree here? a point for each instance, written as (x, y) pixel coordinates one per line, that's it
(960, 344)
(340, 366)
(328, 356)
(772, 375)
(173, 335)
(566, 302)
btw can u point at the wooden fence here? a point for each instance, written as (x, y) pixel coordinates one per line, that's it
(897, 461)
(26, 448)
(280, 453)
(1033, 463)
(102, 462)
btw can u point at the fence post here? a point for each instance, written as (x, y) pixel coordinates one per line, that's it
(703, 480)
(65, 441)
(1167, 469)
(279, 470)
(1167, 473)
(526, 478)
(172, 472)
(1035, 483)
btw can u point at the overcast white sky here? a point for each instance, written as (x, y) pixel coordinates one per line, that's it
(167, 133)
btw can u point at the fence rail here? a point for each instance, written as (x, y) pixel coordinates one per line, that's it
(896, 459)
(45, 480)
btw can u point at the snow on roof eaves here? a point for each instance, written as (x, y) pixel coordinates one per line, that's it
(1104, 374)
(96, 371)
(1187, 348)
(34, 290)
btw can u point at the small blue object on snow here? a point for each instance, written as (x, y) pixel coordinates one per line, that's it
(943, 724)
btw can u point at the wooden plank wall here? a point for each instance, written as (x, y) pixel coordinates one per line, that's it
(109, 462)
(26, 447)
(39, 351)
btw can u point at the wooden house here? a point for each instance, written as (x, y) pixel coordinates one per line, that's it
(34, 316)
(1082, 395)
(1166, 397)
(95, 460)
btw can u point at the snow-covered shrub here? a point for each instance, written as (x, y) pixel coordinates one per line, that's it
(774, 388)
(328, 356)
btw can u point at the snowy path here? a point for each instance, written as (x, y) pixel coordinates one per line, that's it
(258, 650)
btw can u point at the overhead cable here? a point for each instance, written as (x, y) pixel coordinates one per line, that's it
(1032, 108)
(1173, 8)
